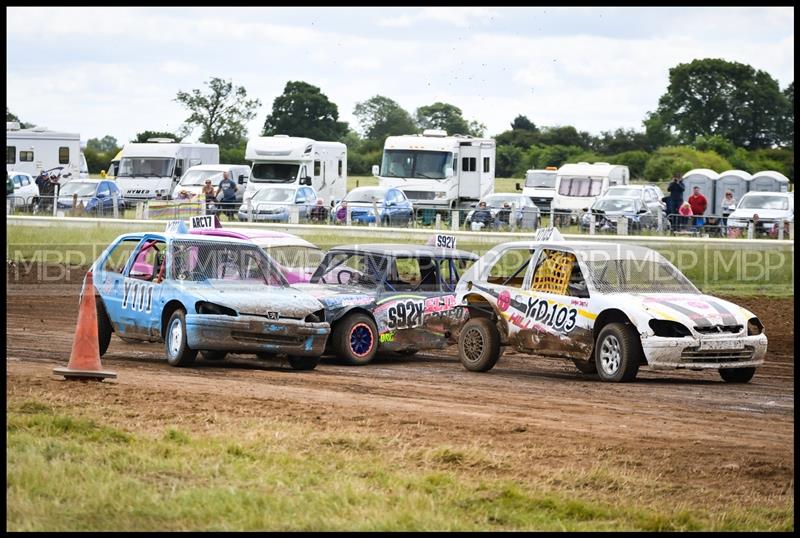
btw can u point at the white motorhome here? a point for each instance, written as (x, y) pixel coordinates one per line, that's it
(289, 160)
(151, 169)
(540, 186)
(578, 185)
(36, 149)
(436, 170)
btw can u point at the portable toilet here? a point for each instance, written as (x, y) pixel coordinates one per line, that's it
(735, 181)
(703, 178)
(768, 180)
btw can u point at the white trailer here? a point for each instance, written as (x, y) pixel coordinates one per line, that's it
(438, 171)
(578, 185)
(36, 149)
(289, 160)
(540, 186)
(151, 169)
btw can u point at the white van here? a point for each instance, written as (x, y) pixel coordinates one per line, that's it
(288, 160)
(152, 169)
(191, 184)
(578, 185)
(540, 186)
(36, 149)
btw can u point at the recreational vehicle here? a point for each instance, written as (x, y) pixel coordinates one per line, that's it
(540, 186)
(288, 160)
(152, 169)
(36, 149)
(438, 171)
(578, 185)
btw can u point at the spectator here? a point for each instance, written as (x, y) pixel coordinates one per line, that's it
(675, 200)
(482, 215)
(685, 211)
(728, 205)
(504, 215)
(228, 188)
(699, 205)
(210, 196)
(341, 213)
(319, 213)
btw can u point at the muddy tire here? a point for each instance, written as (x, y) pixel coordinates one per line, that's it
(303, 363)
(355, 339)
(737, 375)
(618, 353)
(479, 345)
(585, 367)
(104, 328)
(177, 351)
(213, 355)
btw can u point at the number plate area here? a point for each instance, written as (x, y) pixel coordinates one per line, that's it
(706, 345)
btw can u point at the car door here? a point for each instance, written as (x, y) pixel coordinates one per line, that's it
(109, 280)
(142, 287)
(103, 194)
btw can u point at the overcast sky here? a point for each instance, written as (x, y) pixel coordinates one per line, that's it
(100, 71)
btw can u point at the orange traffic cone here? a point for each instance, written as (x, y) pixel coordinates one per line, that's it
(84, 362)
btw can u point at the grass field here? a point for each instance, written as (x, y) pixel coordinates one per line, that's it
(84, 467)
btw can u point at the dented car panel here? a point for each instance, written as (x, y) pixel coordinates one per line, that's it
(717, 333)
(234, 298)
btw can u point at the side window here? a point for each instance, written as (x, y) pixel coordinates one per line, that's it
(317, 168)
(553, 271)
(116, 260)
(25, 180)
(510, 268)
(149, 261)
(414, 274)
(103, 190)
(26, 156)
(341, 166)
(451, 271)
(468, 164)
(11, 154)
(17, 181)
(486, 165)
(63, 155)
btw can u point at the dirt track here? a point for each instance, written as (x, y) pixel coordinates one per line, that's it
(689, 427)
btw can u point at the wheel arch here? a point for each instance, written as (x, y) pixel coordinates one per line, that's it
(167, 312)
(101, 307)
(615, 315)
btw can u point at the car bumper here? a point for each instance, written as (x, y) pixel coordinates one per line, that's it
(255, 334)
(274, 217)
(689, 352)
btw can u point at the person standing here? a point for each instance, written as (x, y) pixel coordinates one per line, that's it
(675, 200)
(728, 205)
(685, 211)
(699, 205)
(210, 196)
(228, 188)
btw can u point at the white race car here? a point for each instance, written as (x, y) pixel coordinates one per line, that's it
(608, 307)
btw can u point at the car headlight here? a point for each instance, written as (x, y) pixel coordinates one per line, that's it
(669, 329)
(204, 307)
(754, 327)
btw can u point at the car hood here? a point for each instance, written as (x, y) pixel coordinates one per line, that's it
(338, 296)
(236, 294)
(688, 308)
(762, 214)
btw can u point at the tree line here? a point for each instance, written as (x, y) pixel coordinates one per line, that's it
(714, 114)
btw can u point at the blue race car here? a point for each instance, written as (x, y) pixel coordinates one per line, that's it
(202, 293)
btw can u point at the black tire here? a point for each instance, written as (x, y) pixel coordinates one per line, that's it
(303, 363)
(104, 328)
(585, 367)
(178, 353)
(618, 353)
(737, 375)
(479, 345)
(355, 339)
(213, 355)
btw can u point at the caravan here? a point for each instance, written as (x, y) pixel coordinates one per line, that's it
(36, 149)
(287, 160)
(578, 185)
(152, 169)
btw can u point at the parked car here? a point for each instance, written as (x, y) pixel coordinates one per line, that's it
(25, 189)
(190, 186)
(650, 195)
(97, 196)
(396, 298)
(495, 204)
(274, 203)
(608, 209)
(394, 208)
(610, 308)
(296, 258)
(771, 208)
(200, 293)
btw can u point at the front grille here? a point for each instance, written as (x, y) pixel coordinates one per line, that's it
(267, 338)
(695, 355)
(716, 329)
(420, 195)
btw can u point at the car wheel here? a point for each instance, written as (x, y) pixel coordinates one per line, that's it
(303, 363)
(213, 355)
(356, 339)
(617, 353)
(479, 345)
(104, 328)
(737, 375)
(585, 367)
(178, 353)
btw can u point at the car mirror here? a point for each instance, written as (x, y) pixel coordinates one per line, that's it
(305, 180)
(241, 179)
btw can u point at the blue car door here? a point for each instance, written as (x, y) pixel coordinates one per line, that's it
(109, 279)
(142, 288)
